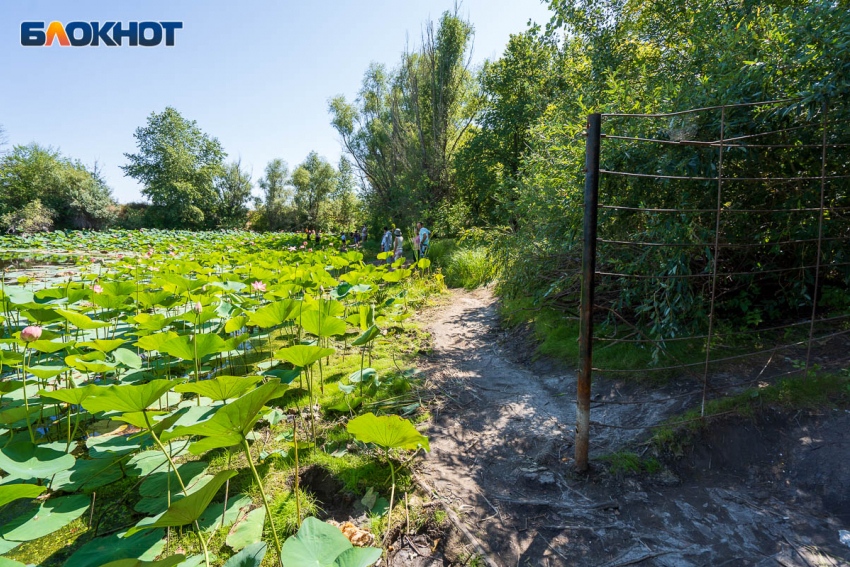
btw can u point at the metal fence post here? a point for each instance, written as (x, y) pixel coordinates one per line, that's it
(588, 267)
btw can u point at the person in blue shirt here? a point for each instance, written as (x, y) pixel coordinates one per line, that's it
(424, 240)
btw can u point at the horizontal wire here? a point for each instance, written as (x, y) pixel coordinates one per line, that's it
(681, 112)
(721, 245)
(717, 144)
(685, 276)
(684, 177)
(729, 334)
(724, 359)
(714, 210)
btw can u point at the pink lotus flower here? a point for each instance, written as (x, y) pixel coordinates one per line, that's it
(305, 243)
(150, 251)
(292, 248)
(309, 250)
(120, 256)
(172, 253)
(154, 269)
(30, 334)
(258, 286)
(96, 288)
(198, 307)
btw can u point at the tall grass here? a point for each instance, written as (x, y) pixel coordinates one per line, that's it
(463, 265)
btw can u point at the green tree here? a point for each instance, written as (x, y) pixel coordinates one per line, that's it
(277, 194)
(72, 195)
(233, 187)
(516, 90)
(177, 163)
(342, 209)
(314, 180)
(405, 126)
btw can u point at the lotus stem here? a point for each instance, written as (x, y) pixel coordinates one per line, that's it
(180, 480)
(247, 450)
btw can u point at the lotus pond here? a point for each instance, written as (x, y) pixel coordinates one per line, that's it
(175, 398)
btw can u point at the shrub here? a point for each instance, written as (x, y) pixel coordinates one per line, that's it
(32, 217)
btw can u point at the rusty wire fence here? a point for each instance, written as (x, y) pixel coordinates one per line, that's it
(805, 193)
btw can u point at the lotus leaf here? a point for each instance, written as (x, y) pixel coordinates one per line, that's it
(188, 509)
(21, 459)
(387, 431)
(303, 355)
(51, 515)
(318, 544)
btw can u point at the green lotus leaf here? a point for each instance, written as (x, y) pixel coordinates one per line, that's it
(10, 492)
(303, 355)
(47, 371)
(318, 544)
(362, 375)
(322, 325)
(17, 295)
(157, 483)
(151, 298)
(51, 515)
(81, 321)
(158, 505)
(103, 345)
(220, 388)
(96, 366)
(387, 431)
(247, 530)
(233, 343)
(183, 347)
(128, 358)
(49, 346)
(103, 549)
(367, 336)
(69, 395)
(188, 509)
(234, 324)
(127, 398)
(231, 423)
(155, 341)
(273, 314)
(211, 518)
(6, 562)
(118, 288)
(87, 474)
(250, 556)
(109, 302)
(13, 415)
(423, 263)
(21, 459)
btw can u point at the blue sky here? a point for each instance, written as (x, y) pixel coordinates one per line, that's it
(257, 75)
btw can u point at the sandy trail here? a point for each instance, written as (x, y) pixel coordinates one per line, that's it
(501, 449)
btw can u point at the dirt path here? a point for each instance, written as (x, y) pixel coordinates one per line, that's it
(501, 447)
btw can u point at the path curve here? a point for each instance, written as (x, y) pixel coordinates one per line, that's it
(501, 447)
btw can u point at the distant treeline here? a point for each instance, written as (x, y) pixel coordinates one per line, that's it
(188, 184)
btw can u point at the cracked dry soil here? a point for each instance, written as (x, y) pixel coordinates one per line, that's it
(774, 491)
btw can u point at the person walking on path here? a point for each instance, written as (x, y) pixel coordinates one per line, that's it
(424, 240)
(387, 243)
(398, 246)
(363, 234)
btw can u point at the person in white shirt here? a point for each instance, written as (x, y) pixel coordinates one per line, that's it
(398, 246)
